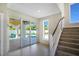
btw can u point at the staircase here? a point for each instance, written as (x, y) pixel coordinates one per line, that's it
(69, 42)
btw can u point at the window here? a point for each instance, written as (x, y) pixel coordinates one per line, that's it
(74, 12)
(14, 29)
(45, 29)
(12, 32)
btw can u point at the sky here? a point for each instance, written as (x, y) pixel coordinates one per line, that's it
(74, 8)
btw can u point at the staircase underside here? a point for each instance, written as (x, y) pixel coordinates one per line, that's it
(69, 42)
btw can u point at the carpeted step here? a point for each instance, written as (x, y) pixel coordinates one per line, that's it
(70, 40)
(70, 36)
(70, 33)
(68, 44)
(62, 53)
(70, 30)
(69, 49)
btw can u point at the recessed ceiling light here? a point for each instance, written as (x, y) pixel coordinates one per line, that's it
(38, 11)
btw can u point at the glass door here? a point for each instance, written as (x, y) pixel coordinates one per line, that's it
(14, 26)
(25, 33)
(33, 33)
(28, 33)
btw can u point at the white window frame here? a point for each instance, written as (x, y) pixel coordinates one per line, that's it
(2, 34)
(44, 30)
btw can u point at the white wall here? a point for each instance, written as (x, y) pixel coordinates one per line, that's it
(3, 10)
(61, 8)
(53, 21)
(55, 40)
(0, 32)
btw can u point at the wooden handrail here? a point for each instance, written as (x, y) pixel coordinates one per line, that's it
(57, 26)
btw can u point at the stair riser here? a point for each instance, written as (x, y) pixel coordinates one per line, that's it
(70, 40)
(61, 53)
(71, 30)
(70, 33)
(68, 50)
(69, 45)
(69, 36)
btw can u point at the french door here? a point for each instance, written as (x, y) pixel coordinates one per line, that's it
(25, 33)
(21, 34)
(28, 33)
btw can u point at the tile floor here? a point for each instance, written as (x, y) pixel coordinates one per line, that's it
(33, 50)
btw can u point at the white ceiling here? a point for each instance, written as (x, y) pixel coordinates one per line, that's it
(37, 10)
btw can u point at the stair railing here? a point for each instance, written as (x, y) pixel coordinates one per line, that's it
(53, 34)
(57, 26)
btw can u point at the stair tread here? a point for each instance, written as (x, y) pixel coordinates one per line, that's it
(69, 48)
(71, 28)
(69, 38)
(69, 43)
(71, 33)
(72, 45)
(66, 53)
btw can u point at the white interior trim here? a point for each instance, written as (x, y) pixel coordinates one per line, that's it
(1, 14)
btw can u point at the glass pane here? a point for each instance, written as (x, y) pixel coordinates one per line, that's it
(33, 33)
(27, 31)
(26, 39)
(45, 25)
(74, 10)
(45, 30)
(12, 32)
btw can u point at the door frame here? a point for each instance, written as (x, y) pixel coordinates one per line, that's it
(2, 35)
